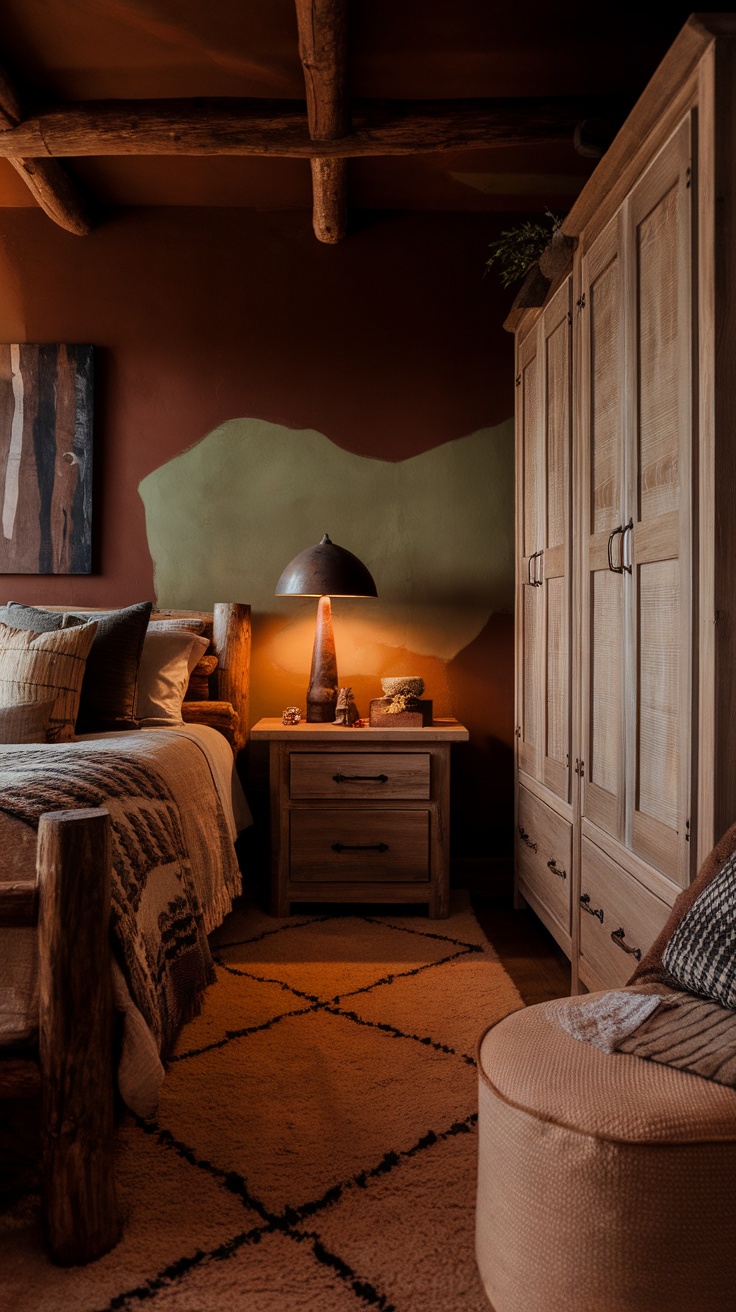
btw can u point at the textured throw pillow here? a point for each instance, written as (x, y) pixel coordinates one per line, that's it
(175, 624)
(166, 663)
(25, 723)
(18, 616)
(36, 666)
(701, 954)
(110, 687)
(110, 683)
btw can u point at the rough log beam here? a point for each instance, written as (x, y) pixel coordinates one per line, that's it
(45, 178)
(19, 903)
(279, 128)
(323, 26)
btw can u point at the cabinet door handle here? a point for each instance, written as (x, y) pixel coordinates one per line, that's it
(628, 528)
(529, 579)
(617, 569)
(350, 778)
(592, 911)
(360, 847)
(556, 870)
(538, 570)
(618, 938)
(523, 835)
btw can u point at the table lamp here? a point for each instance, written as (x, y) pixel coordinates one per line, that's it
(324, 571)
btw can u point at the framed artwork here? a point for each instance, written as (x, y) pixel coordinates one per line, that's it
(45, 459)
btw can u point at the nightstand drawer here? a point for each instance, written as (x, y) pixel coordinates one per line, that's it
(364, 775)
(365, 845)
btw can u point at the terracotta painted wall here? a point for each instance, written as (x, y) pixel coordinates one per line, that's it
(385, 349)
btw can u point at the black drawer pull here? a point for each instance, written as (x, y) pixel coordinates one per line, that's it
(360, 847)
(592, 911)
(523, 835)
(618, 937)
(556, 870)
(350, 778)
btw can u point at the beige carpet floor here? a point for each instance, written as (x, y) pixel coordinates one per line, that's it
(314, 1147)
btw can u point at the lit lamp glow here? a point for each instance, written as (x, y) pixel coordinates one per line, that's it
(324, 571)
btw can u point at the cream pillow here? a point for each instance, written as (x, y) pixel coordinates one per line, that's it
(34, 667)
(167, 661)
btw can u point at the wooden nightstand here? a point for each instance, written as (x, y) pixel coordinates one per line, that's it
(360, 815)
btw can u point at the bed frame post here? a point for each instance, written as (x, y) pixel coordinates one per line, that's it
(75, 1034)
(231, 644)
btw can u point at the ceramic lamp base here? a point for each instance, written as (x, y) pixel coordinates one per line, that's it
(322, 691)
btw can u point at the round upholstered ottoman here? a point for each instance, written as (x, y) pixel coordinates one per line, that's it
(606, 1183)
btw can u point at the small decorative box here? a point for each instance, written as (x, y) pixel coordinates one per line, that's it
(419, 718)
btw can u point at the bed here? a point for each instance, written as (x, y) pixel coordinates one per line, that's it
(132, 831)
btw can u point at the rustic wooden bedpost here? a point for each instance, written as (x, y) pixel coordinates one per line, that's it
(231, 644)
(75, 1034)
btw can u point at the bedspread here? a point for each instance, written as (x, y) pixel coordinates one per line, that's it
(174, 871)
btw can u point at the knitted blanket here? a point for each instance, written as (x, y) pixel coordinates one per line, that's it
(158, 931)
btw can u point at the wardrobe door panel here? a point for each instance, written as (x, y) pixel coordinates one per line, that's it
(603, 386)
(530, 666)
(557, 411)
(657, 548)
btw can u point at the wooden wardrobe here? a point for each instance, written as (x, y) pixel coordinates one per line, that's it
(626, 526)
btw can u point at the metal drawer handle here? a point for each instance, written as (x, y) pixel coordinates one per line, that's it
(523, 835)
(553, 866)
(592, 911)
(617, 569)
(360, 847)
(349, 778)
(618, 937)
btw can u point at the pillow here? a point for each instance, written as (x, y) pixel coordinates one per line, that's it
(34, 665)
(701, 954)
(25, 723)
(651, 968)
(166, 663)
(111, 679)
(17, 616)
(176, 624)
(110, 687)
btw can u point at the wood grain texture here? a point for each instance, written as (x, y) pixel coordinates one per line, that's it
(75, 1034)
(271, 729)
(46, 179)
(626, 905)
(271, 127)
(231, 643)
(541, 837)
(349, 775)
(46, 459)
(20, 1077)
(323, 48)
(18, 903)
(369, 846)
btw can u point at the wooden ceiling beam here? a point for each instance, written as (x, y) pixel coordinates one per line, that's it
(280, 128)
(323, 50)
(48, 183)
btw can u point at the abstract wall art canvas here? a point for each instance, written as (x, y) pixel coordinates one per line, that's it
(45, 459)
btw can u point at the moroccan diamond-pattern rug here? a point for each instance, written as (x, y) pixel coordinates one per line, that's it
(314, 1147)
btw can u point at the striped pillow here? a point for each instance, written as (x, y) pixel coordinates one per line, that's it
(701, 954)
(37, 666)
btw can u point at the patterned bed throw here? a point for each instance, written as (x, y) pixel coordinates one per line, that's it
(158, 927)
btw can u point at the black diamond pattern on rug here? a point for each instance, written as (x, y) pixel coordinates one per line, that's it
(314, 1147)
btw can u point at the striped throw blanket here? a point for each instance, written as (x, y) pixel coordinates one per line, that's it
(158, 932)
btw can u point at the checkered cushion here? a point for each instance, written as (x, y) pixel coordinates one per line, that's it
(701, 954)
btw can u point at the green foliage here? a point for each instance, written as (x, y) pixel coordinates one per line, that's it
(517, 249)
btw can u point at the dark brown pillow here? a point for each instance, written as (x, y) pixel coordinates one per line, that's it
(651, 968)
(110, 687)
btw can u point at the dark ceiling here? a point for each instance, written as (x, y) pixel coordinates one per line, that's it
(70, 50)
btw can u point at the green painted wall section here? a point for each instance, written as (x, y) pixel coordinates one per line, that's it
(436, 531)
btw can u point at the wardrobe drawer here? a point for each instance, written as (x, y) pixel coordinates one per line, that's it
(368, 845)
(365, 775)
(544, 856)
(619, 918)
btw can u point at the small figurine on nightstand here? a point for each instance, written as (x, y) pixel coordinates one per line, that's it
(346, 712)
(291, 715)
